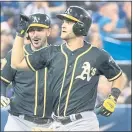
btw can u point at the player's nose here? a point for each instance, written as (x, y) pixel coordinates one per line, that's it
(63, 25)
(35, 33)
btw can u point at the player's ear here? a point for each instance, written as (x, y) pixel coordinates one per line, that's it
(27, 36)
(48, 32)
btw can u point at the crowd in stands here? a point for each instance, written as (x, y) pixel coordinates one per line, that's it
(108, 18)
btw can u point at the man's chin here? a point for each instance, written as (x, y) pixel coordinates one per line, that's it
(37, 46)
(63, 37)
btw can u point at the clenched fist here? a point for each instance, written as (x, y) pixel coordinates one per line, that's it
(23, 25)
(107, 107)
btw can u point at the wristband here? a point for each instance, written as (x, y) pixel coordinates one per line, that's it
(20, 35)
(115, 92)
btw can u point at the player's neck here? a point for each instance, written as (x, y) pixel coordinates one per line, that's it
(34, 49)
(75, 43)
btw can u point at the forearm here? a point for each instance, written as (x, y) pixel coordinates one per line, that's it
(17, 58)
(17, 52)
(119, 83)
(117, 86)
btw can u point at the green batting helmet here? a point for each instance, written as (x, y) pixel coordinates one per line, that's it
(81, 18)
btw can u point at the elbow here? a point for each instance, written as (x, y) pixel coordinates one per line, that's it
(14, 65)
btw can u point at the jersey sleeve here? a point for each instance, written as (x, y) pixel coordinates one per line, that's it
(3, 87)
(7, 72)
(39, 59)
(108, 67)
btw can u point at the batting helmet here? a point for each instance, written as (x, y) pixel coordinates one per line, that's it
(81, 18)
(39, 20)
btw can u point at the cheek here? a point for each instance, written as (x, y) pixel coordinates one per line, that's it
(44, 33)
(43, 36)
(70, 29)
(30, 34)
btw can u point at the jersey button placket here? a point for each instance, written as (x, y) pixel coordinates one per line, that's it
(71, 65)
(72, 54)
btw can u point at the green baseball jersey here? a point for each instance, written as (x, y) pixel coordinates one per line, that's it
(74, 75)
(31, 94)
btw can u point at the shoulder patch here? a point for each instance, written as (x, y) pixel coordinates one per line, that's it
(3, 63)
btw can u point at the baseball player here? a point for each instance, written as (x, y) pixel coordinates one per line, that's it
(74, 68)
(30, 105)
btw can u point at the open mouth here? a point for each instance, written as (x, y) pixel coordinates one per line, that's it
(36, 41)
(64, 32)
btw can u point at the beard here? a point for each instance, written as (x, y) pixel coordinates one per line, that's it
(39, 43)
(67, 36)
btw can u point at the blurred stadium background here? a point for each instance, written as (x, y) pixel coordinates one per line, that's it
(111, 30)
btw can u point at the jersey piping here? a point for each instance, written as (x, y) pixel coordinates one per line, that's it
(36, 87)
(119, 74)
(72, 78)
(66, 65)
(45, 91)
(5, 80)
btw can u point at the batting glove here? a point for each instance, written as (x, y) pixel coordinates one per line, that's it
(23, 25)
(4, 101)
(107, 107)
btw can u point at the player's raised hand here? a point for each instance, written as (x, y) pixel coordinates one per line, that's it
(107, 107)
(23, 25)
(4, 101)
